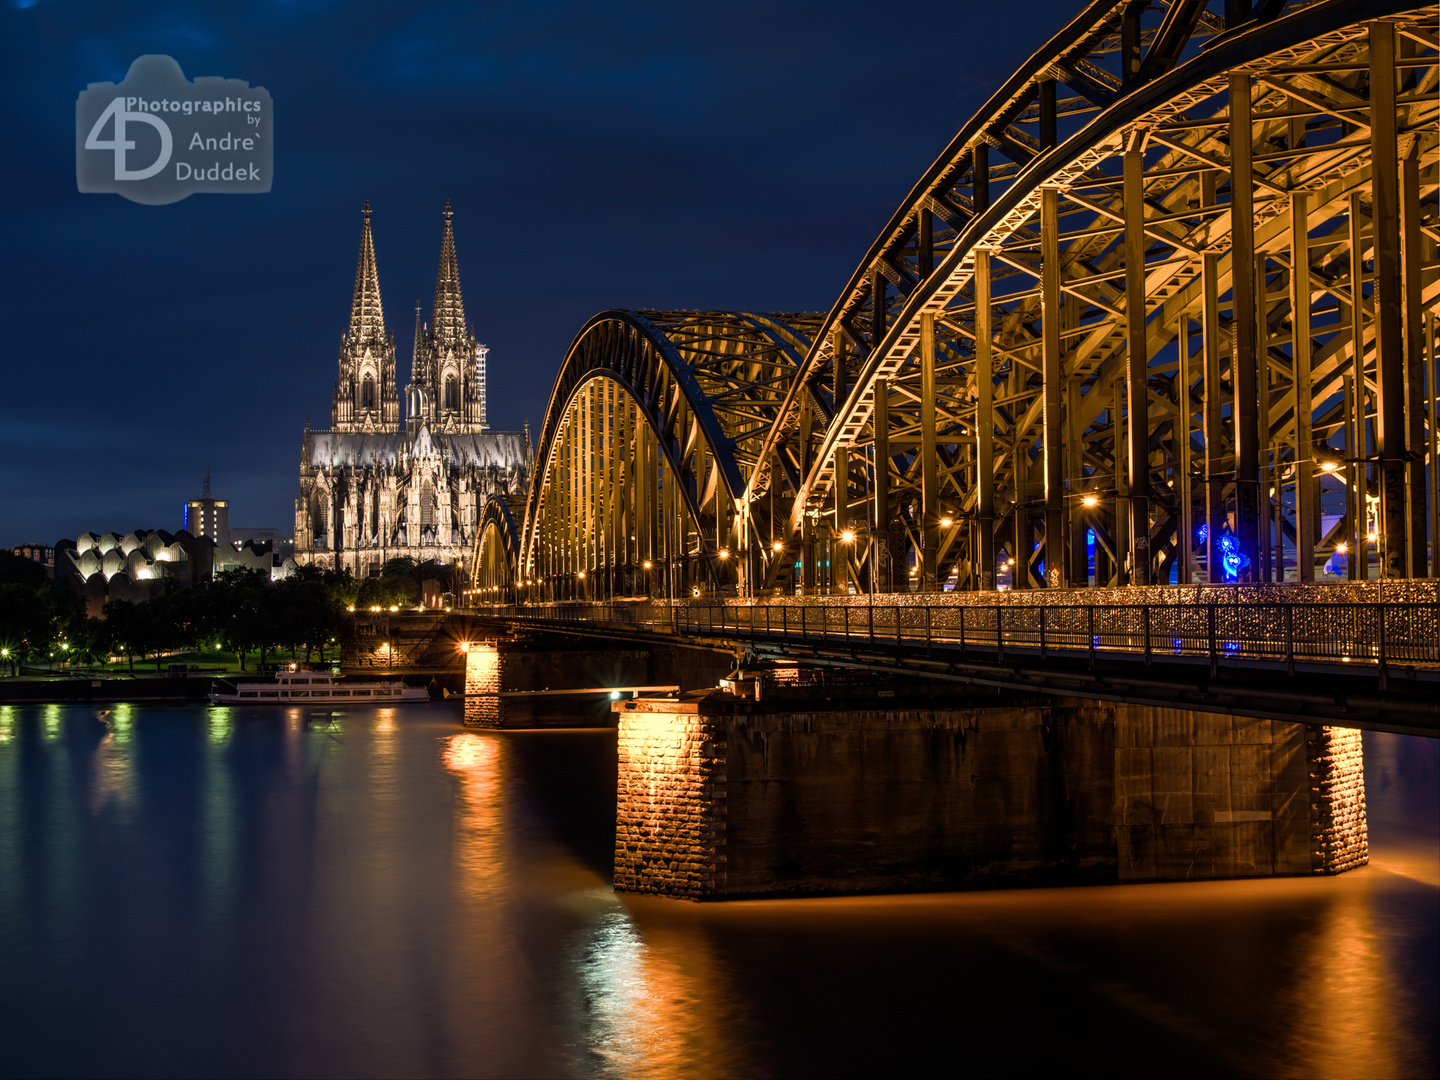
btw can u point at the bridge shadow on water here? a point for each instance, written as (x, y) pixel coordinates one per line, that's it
(1298, 976)
(566, 777)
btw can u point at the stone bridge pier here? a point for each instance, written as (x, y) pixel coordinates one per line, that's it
(520, 679)
(724, 796)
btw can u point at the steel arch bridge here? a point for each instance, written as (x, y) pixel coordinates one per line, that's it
(1173, 282)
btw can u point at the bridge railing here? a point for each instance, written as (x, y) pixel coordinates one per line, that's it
(1403, 633)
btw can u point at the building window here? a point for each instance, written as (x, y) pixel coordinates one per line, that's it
(367, 393)
(452, 396)
(319, 514)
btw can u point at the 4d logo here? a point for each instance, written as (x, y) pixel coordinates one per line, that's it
(158, 137)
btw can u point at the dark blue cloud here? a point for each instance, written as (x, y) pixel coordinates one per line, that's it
(652, 155)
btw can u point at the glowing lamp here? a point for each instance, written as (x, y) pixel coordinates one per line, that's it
(778, 546)
(1329, 466)
(946, 522)
(1089, 500)
(648, 564)
(581, 575)
(1341, 548)
(394, 607)
(464, 646)
(350, 608)
(848, 536)
(724, 553)
(614, 695)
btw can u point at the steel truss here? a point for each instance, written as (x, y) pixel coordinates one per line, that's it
(652, 432)
(1086, 318)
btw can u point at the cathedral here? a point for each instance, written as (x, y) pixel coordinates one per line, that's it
(378, 485)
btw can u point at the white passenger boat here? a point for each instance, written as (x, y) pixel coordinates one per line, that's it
(311, 688)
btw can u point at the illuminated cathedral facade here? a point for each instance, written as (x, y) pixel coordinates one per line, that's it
(382, 484)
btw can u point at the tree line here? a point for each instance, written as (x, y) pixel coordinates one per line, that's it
(238, 611)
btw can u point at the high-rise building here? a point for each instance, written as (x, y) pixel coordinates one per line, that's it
(377, 486)
(208, 516)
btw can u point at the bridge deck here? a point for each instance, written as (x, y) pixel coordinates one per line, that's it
(1349, 664)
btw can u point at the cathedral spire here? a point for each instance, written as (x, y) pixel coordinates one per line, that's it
(367, 317)
(448, 322)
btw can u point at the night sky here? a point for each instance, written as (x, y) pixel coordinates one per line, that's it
(642, 155)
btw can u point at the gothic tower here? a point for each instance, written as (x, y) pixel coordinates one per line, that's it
(365, 391)
(447, 377)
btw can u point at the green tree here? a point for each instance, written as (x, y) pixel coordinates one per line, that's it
(18, 570)
(26, 627)
(134, 629)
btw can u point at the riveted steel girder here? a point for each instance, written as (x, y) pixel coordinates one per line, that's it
(647, 445)
(1224, 136)
(1169, 287)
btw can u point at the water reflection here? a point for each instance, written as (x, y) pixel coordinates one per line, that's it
(403, 896)
(220, 724)
(657, 1003)
(113, 777)
(476, 760)
(218, 825)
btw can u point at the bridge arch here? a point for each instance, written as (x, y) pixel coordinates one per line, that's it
(495, 556)
(1045, 343)
(653, 427)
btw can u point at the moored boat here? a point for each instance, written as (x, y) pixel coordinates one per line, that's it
(311, 688)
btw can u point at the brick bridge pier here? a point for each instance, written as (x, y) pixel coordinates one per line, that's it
(791, 781)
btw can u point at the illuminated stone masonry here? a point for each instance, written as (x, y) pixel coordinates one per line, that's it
(379, 486)
(722, 797)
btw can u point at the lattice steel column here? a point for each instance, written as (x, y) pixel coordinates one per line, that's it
(929, 457)
(1357, 449)
(1389, 354)
(985, 419)
(1052, 387)
(1213, 419)
(1245, 410)
(1413, 245)
(1137, 363)
(882, 547)
(1307, 509)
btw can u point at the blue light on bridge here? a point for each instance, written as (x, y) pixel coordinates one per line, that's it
(1202, 533)
(1232, 559)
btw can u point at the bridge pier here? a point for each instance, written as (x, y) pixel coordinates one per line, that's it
(722, 796)
(513, 681)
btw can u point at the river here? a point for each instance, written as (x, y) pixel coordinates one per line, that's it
(198, 891)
